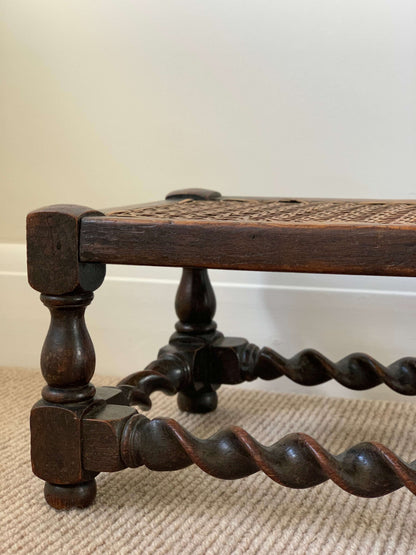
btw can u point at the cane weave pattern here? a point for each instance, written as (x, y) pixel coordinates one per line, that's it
(277, 211)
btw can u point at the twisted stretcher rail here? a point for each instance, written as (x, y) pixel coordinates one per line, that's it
(356, 371)
(308, 367)
(295, 461)
(164, 375)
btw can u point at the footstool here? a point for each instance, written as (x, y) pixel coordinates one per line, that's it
(78, 431)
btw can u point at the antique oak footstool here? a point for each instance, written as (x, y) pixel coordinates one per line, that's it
(79, 431)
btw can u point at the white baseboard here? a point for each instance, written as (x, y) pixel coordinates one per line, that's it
(132, 316)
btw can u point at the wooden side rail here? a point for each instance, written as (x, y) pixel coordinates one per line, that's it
(343, 249)
(199, 228)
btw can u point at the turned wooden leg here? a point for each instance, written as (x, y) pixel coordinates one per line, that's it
(67, 359)
(197, 359)
(195, 306)
(186, 365)
(67, 362)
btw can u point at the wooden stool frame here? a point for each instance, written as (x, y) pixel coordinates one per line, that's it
(78, 431)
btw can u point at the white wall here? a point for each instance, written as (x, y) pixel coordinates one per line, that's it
(116, 102)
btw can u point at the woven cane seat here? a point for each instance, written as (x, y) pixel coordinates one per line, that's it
(266, 211)
(300, 235)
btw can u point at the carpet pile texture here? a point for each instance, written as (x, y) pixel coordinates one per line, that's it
(188, 512)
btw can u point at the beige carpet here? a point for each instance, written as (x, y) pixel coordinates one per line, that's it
(188, 512)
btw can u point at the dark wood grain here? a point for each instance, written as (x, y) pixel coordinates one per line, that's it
(239, 361)
(67, 362)
(195, 302)
(195, 306)
(56, 444)
(68, 357)
(53, 251)
(376, 250)
(78, 496)
(102, 429)
(296, 460)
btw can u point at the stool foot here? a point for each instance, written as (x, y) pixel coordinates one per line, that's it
(198, 402)
(69, 497)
